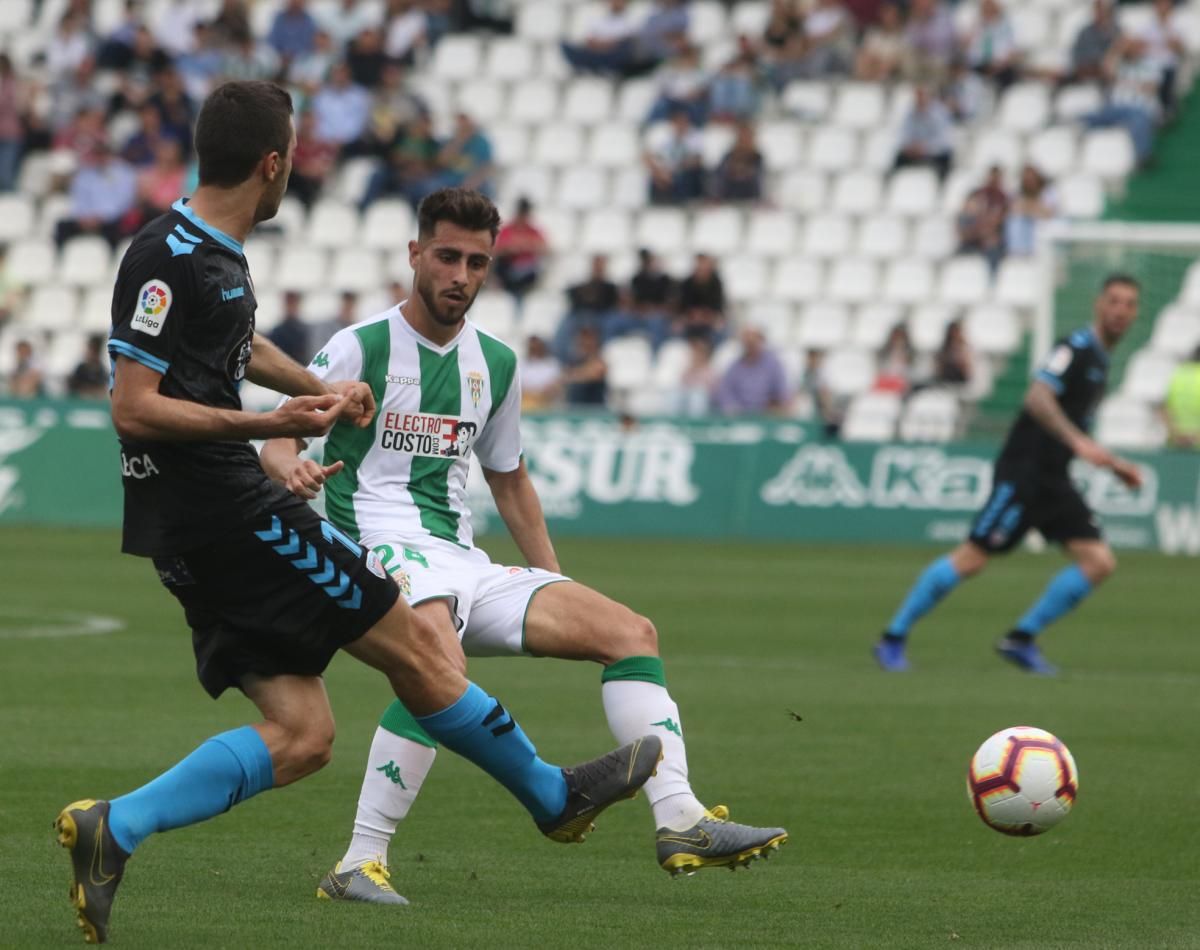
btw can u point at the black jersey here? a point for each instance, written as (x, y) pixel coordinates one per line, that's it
(183, 305)
(1077, 371)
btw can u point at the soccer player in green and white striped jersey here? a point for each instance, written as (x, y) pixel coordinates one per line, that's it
(447, 390)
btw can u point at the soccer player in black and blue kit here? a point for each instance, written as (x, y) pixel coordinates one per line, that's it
(270, 590)
(1031, 488)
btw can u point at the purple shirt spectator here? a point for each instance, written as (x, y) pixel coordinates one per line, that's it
(756, 383)
(342, 108)
(103, 189)
(294, 30)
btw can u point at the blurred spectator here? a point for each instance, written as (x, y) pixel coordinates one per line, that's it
(965, 93)
(347, 20)
(103, 193)
(177, 25)
(734, 93)
(406, 30)
(142, 147)
(232, 22)
(1034, 202)
(586, 376)
(1181, 411)
(1133, 100)
(981, 220)
(991, 46)
(591, 304)
(161, 184)
(89, 378)
(682, 87)
(1093, 42)
(927, 135)
(825, 405)
(783, 24)
(70, 45)
(114, 51)
(366, 58)
(178, 113)
(929, 41)
(437, 19)
(1163, 43)
(952, 364)
(702, 299)
(393, 106)
(608, 42)
(676, 172)
(71, 97)
(519, 252)
(27, 380)
(310, 70)
(10, 293)
(398, 292)
(293, 31)
(341, 107)
(882, 48)
(493, 15)
(201, 64)
(739, 175)
(693, 396)
(828, 40)
(652, 294)
(895, 362)
(541, 376)
(248, 58)
(135, 53)
(346, 316)
(465, 160)
(411, 158)
(291, 334)
(756, 383)
(312, 161)
(12, 131)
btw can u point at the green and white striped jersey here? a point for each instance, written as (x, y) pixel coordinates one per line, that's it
(406, 473)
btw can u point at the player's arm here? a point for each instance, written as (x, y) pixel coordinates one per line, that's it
(1042, 404)
(142, 414)
(303, 477)
(269, 366)
(517, 501)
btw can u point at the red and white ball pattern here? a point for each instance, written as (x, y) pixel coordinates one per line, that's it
(1022, 781)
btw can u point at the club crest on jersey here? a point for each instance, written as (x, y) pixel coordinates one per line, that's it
(427, 434)
(153, 304)
(475, 387)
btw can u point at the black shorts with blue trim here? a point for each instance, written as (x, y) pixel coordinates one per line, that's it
(279, 594)
(1021, 500)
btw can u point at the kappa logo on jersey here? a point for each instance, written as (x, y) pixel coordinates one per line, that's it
(475, 387)
(427, 435)
(153, 305)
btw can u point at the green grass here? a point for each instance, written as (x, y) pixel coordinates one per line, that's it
(885, 849)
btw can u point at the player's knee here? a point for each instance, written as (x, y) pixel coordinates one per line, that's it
(1100, 565)
(638, 637)
(313, 750)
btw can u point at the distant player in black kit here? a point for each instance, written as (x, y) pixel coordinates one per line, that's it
(270, 590)
(1031, 488)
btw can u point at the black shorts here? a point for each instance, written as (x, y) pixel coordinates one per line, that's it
(279, 594)
(1021, 501)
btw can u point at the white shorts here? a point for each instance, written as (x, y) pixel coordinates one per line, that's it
(488, 601)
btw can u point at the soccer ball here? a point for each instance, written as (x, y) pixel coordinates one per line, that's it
(1022, 781)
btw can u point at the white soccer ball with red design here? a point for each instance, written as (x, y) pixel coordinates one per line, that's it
(1022, 781)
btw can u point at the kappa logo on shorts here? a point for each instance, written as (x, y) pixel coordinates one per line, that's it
(307, 559)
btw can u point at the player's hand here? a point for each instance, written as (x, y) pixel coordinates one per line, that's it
(306, 417)
(1129, 474)
(1093, 452)
(307, 477)
(360, 402)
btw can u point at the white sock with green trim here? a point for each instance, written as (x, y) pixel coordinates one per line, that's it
(637, 703)
(396, 770)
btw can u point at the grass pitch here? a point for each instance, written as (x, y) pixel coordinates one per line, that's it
(885, 849)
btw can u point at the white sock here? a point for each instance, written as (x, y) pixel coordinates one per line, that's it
(636, 708)
(396, 770)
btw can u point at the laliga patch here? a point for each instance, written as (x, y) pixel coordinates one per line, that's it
(153, 305)
(375, 566)
(1060, 359)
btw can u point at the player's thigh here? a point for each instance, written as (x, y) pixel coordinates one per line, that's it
(439, 614)
(573, 622)
(1005, 517)
(298, 727)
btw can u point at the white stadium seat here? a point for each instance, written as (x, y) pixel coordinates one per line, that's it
(859, 106)
(908, 281)
(930, 416)
(458, 57)
(872, 324)
(1052, 151)
(16, 215)
(854, 280)
(935, 238)
(540, 20)
(387, 225)
(482, 99)
(52, 307)
(706, 22)
(495, 312)
(1129, 424)
(964, 280)
(996, 146)
(534, 101)
(771, 233)
(858, 192)
(589, 101)
(1108, 154)
(913, 192)
(927, 325)
(1081, 196)
(629, 189)
(95, 310)
(823, 326)
(30, 261)
(635, 99)
(356, 269)
(1148, 375)
(871, 417)
(663, 230)
(527, 181)
(781, 144)
(558, 145)
(614, 145)
(992, 329)
(717, 231)
(302, 268)
(827, 236)
(1025, 107)
(1017, 282)
(803, 190)
(510, 143)
(882, 238)
(1176, 331)
(744, 277)
(832, 149)
(797, 279)
(807, 100)
(1072, 103)
(849, 371)
(332, 224)
(510, 59)
(582, 188)
(86, 260)
(606, 231)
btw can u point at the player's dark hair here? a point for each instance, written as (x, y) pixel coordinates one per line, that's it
(470, 210)
(1127, 280)
(239, 123)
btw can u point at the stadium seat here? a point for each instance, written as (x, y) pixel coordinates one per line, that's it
(996, 146)
(1053, 151)
(859, 106)
(930, 416)
(332, 224)
(16, 16)
(387, 225)
(614, 145)
(527, 181)
(558, 145)
(482, 99)
(458, 57)
(873, 322)
(16, 216)
(350, 180)
(992, 329)
(397, 267)
(749, 18)
(832, 149)
(1081, 197)
(717, 231)
(1147, 376)
(583, 14)
(1025, 107)
(356, 268)
(52, 307)
(54, 208)
(935, 238)
(964, 280)
(771, 233)
(715, 142)
(1129, 424)
(927, 324)
(589, 101)
(706, 22)
(1017, 282)
(495, 312)
(908, 281)
(533, 101)
(630, 362)
(629, 189)
(289, 220)
(541, 312)
(958, 184)
(1176, 331)
(510, 59)
(30, 261)
(1189, 293)
(1108, 154)
(302, 268)
(807, 100)
(268, 310)
(797, 280)
(744, 277)
(803, 190)
(635, 99)
(540, 20)
(853, 280)
(36, 177)
(65, 349)
(857, 193)
(827, 236)
(913, 192)
(605, 231)
(1074, 102)
(510, 143)
(823, 326)
(662, 230)
(878, 151)
(558, 223)
(776, 318)
(871, 417)
(670, 363)
(781, 144)
(882, 238)
(85, 261)
(849, 371)
(95, 310)
(319, 306)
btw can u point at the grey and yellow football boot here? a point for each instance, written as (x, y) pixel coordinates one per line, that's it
(97, 863)
(715, 842)
(367, 882)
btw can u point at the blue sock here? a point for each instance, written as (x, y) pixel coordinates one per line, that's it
(1065, 590)
(935, 582)
(223, 771)
(478, 728)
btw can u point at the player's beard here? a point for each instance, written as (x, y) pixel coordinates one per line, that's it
(268, 204)
(440, 310)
